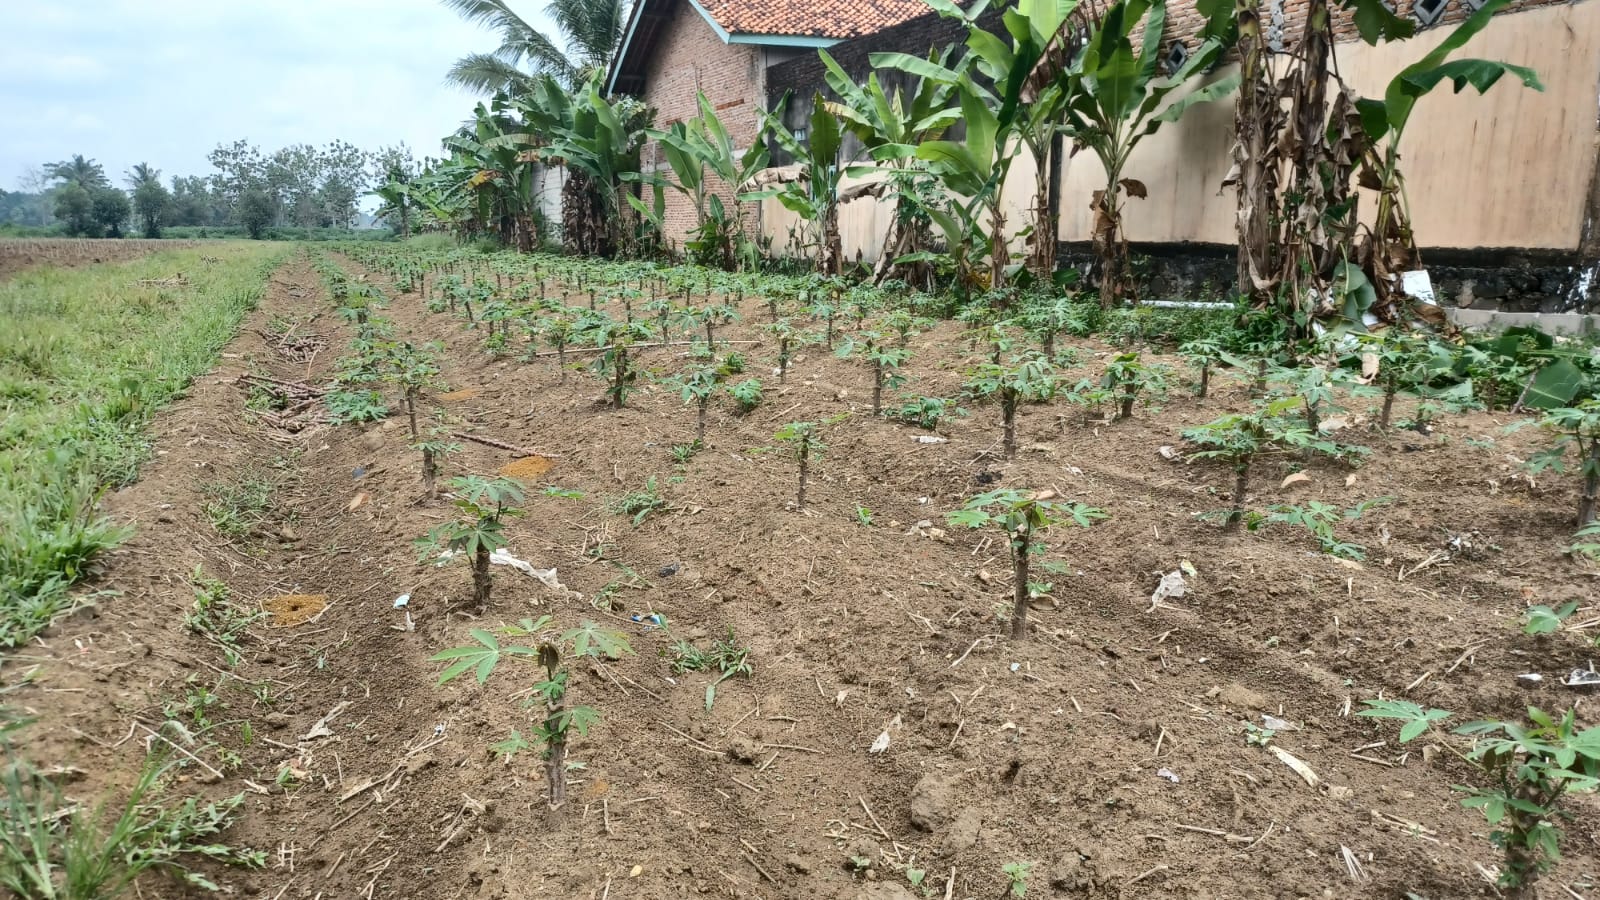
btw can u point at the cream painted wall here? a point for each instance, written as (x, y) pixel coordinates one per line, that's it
(1513, 168)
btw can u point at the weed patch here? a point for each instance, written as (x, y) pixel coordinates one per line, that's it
(87, 357)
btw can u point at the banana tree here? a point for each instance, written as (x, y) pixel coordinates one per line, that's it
(395, 194)
(501, 180)
(1115, 99)
(812, 193)
(889, 128)
(1298, 144)
(697, 151)
(1391, 246)
(653, 215)
(1037, 129)
(1000, 120)
(599, 143)
(438, 195)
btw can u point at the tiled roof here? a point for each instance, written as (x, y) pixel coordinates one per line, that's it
(793, 23)
(813, 18)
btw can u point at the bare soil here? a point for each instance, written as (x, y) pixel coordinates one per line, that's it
(20, 254)
(1106, 749)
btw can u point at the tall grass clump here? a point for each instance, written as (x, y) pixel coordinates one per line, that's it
(87, 357)
(55, 849)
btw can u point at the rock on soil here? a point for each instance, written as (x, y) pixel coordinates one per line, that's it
(932, 800)
(884, 891)
(1239, 697)
(1067, 873)
(963, 833)
(744, 749)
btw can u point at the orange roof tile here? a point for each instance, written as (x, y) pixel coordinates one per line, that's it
(812, 18)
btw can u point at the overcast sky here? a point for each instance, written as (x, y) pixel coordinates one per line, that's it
(124, 82)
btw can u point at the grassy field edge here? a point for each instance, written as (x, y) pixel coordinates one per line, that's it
(88, 357)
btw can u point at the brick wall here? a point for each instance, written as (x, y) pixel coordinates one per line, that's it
(805, 75)
(691, 59)
(1184, 21)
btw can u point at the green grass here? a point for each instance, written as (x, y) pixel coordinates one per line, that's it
(51, 849)
(238, 507)
(87, 357)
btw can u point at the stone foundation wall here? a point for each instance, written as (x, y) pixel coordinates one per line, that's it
(1494, 281)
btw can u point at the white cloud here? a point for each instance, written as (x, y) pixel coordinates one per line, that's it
(50, 68)
(124, 82)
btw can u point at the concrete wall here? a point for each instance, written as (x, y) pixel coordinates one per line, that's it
(1510, 169)
(548, 182)
(1514, 170)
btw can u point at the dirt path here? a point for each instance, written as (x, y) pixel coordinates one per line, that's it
(131, 663)
(1050, 752)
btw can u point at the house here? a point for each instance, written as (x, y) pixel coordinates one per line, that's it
(1504, 189)
(675, 49)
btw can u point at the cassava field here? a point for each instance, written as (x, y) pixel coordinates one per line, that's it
(224, 594)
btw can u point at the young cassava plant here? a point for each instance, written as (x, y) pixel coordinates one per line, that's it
(555, 722)
(559, 330)
(1020, 514)
(1531, 768)
(884, 360)
(1028, 379)
(483, 503)
(1577, 429)
(1406, 361)
(1203, 354)
(698, 386)
(788, 337)
(433, 448)
(1239, 438)
(1126, 377)
(803, 438)
(414, 370)
(615, 364)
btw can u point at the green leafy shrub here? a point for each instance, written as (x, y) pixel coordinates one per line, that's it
(482, 503)
(1531, 768)
(551, 732)
(355, 406)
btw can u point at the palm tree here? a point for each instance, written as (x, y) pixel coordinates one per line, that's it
(84, 172)
(592, 30)
(141, 174)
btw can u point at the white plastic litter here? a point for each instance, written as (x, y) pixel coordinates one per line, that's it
(1172, 586)
(401, 601)
(881, 743)
(546, 576)
(931, 439)
(1583, 678)
(1169, 775)
(1417, 284)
